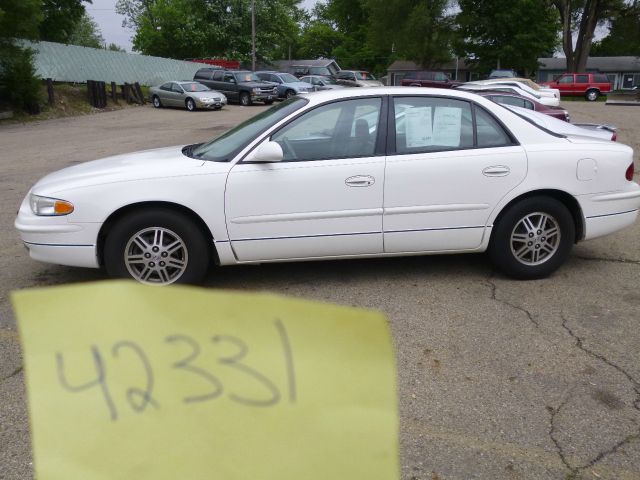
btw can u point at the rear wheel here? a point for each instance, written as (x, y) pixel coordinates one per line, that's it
(245, 99)
(157, 247)
(156, 101)
(592, 95)
(190, 104)
(533, 238)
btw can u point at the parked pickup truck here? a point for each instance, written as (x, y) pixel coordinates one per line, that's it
(589, 85)
(423, 78)
(240, 86)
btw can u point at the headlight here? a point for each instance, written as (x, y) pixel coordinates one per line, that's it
(207, 99)
(46, 206)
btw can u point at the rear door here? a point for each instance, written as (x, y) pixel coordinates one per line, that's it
(450, 162)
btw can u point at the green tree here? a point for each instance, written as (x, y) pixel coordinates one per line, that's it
(203, 28)
(114, 48)
(318, 39)
(60, 18)
(580, 18)
(86, 33)
(418, 30)
(492, 33)
(624, 35)
(19, 86)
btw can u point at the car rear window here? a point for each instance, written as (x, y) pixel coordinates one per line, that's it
(601, 78)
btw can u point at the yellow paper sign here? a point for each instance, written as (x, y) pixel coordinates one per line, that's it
(133, 382)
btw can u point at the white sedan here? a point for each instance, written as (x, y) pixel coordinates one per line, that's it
(333, 175)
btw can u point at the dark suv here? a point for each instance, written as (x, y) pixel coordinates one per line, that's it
(425, 78)
(240, 86)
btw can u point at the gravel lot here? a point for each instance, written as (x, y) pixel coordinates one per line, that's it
(498, 379)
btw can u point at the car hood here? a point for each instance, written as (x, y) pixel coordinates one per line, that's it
(369, 83)
(207, 94)
(257, 84)
(148, 164)
(298, 85)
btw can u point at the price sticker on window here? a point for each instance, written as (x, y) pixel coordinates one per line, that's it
(134, 382)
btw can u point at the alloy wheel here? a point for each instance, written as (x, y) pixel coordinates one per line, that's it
(156, 256)
(535, 238)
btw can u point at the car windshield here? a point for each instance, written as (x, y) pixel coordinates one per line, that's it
(227, 146)
(288, 78)
(247, 77)
(194, 87)
(364, 76)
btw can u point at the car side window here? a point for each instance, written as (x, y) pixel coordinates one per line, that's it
(204, 74)
(508, 100)
(217, 76)
(529, 105)
(426, 124)
(441, 77)
(489, 132)
(344, 129)
(566, 79)
(228, 78)
(582, 78)
(176, 88)
(166, 86)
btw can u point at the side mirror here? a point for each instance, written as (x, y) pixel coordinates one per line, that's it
(266, 152)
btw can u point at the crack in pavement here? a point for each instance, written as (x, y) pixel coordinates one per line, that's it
(552, 430)
(579, 343)
(494, 291)
(13, 374)
(605, 259)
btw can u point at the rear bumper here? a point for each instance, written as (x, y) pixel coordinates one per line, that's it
(608, 212)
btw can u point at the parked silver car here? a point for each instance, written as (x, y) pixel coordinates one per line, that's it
(321, 82)
(187, 94)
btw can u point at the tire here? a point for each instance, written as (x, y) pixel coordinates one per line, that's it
(289, 93)
(156, 101)
(524, 249)
(190, 104)
(592, 95)
(135, 249)
(245, 99)
(268, 102)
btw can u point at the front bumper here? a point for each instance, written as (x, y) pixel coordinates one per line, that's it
(212, 104)
(264, 96)
(56, 239)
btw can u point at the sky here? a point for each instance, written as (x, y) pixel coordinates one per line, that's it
(110, 23)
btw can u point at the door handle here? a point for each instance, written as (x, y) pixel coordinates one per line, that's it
(496, 171)
(360, 181)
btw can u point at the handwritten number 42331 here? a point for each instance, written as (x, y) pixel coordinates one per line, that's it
(140, 398)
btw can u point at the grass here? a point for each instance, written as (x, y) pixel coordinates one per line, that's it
(70, 100)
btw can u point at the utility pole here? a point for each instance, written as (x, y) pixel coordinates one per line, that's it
(253, 35)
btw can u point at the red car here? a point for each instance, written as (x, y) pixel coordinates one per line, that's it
(508, 98)
(589, 85)
(425, 78)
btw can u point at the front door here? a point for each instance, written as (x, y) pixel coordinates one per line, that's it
(324, 199)
(442, 178)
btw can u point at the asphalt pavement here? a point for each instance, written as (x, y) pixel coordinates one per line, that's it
(498, 379)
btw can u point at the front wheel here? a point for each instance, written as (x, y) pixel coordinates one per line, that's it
(289, 94)
(533, 238)
(157, 247)
(190, 104)
(592, 95)
(156, 101)
(245, 99)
